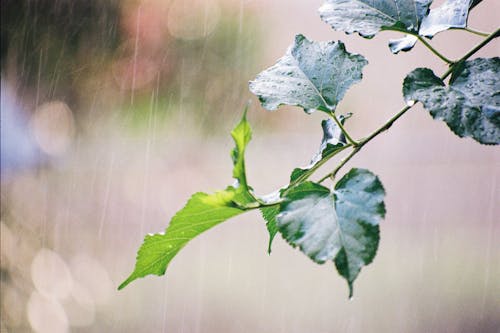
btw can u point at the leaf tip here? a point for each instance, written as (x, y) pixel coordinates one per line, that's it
(245, 111)
(351, 290)
(125, 283)
(299, 38)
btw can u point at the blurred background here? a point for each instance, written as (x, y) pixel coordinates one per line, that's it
(114, 112)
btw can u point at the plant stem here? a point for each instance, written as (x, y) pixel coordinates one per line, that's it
(476, 32)
(344, 131)
(319, 164)
(433, 50)
(476, 48)
(342, 163)
(389, 123)
(363, 142)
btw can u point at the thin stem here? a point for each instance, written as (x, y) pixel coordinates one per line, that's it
(259, 203)
(363, 142)
(319, 164)
(426, 44)
(389, 123)
(476, 48)
(256, 205)
(342, 163)
(476, 32)
(433, 50)
(344, 131)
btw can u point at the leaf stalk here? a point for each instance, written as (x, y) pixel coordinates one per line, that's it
(344, 131)
(475, 49)
(433, 50)
(389, 123)
(476, 32)
(358, 145)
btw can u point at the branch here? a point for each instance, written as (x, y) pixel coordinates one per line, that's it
(469, 54)
(476, 32)
(433, 50)
(389, 123)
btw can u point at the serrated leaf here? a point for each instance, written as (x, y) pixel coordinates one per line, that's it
(470, 104)
(340, 226)
(312, 75)
(368, 17)
(451, 14)
(202, 212)
(269, 215)
(333, 140)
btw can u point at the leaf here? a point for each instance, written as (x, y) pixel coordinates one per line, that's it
(451, 14)
(333, 140)
(202, 212)
(340, 226)
(269, 214)
(470, 104)
(368, 17)
(474, 3)
(312, 75)
(242, 134)
(404, 44)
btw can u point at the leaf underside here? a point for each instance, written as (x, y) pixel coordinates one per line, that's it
(451, 14)
(333, 140)
(404, 44)
(312, 75)
(341, 226)
(470, 104)
(368, 17)
(414, 17)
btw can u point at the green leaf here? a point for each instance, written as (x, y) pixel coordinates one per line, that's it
(368, 17)
(340, 226)
(242, 134)
(202, 212)
(451, 14)
(470, 104)
(269, 214)
(333, 140)
(312, 75)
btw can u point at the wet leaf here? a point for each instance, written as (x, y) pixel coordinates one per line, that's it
(332, 141)
(269, 214)
(368, 17)
(451, 14)
(202, 212)
(242, 134)
(404, 44)
(340, 225)
(312, 75)
(470, 104)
